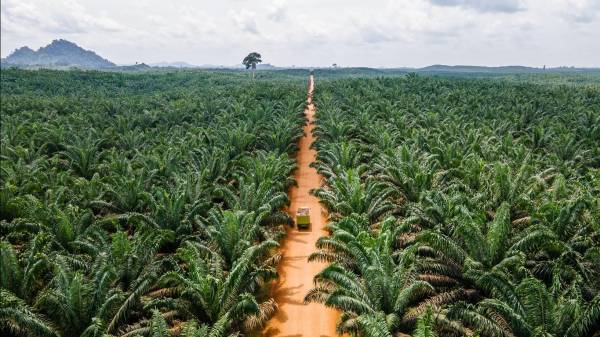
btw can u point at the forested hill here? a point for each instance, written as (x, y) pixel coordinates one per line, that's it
(59, 53)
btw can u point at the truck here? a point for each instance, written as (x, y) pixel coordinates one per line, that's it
(303, 217)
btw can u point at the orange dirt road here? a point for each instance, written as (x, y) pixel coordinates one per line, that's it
(294, 318)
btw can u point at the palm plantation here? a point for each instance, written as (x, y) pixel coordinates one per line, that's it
(155, 204)
(147, 211)
(449, 219)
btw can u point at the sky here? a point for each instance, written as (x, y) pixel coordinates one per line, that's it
(373, 33)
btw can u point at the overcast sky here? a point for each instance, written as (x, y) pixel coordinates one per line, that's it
(384, 33)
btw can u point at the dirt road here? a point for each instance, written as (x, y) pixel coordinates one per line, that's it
(294, 318)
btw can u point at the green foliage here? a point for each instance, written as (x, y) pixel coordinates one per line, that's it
(135, 204)
(484, 194)
(425, 325)
(251, 60)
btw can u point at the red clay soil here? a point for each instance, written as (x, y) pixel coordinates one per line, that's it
(294, 318)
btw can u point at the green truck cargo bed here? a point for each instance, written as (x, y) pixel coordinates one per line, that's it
(303, 217)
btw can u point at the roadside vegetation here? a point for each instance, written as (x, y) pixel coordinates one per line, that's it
(142, 204)
(459, 207)
(153, 204)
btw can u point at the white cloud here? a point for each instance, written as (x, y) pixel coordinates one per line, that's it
(581, 11)
(246, 21)
(278, 11)
(315, 32)
(506, 6)
(60, 16)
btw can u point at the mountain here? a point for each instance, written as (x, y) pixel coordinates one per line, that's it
(135, 67)
(172, 65)
(59, 53)
(266, 66)
(479, 69)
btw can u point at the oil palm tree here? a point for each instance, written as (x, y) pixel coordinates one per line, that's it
(408, 172)
(374, 303)
(346, 194)
(231, 233)
(202, 288)
(477, 256)
(85, 157)
(267, 167)
(18, 318)
(263, 198)
(68, 302)
(561, 245)
(336, 158)
(371, 287)
(23, 276)
(531, 310)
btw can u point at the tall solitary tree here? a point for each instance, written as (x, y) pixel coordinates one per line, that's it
(251, 61)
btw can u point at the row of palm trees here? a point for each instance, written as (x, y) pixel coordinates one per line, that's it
(459, 207)
(142, 204)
